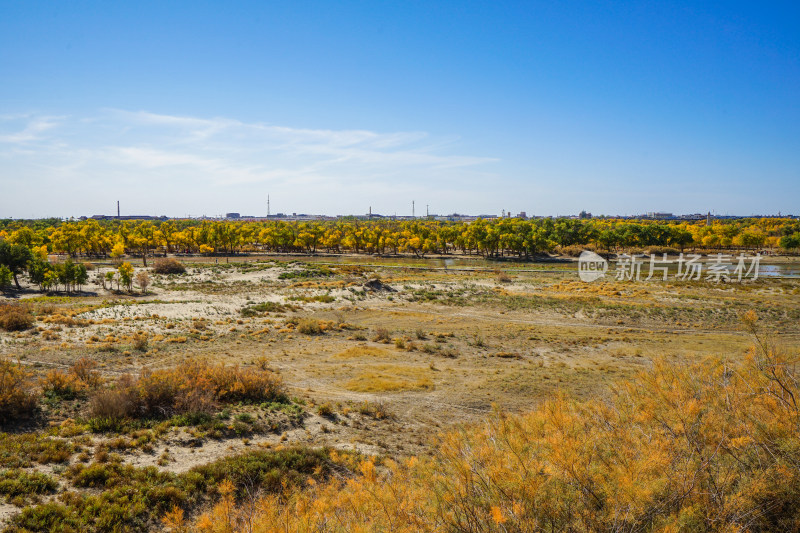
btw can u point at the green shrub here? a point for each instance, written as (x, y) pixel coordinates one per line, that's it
(18, 482)
(265, 307)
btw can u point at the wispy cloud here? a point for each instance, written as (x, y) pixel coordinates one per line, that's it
(183, 156)
(32, 127)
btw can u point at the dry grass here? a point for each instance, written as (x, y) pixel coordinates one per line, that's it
(391, 378)
(357, 352)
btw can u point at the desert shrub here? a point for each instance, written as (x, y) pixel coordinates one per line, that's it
(18, 395)
(265, 307)
(326, 410)
(140, 341)
(127, 498)
(309, 326)
(322, 298)
(502, 277)
(310, 272)
(269, 471)
(21, 450)
(115, 403)
(62, 385)
(16, 482)
(195, 387)
(168, 265)
(85, 370)
(75, 382)
(15, 317)
(376, 410)
(382, 335)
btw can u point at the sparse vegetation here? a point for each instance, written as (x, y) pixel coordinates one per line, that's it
(705, 448)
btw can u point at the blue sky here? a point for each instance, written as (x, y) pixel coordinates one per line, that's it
(199, 107)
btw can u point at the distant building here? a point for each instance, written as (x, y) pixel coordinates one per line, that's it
(233, 215)
(523, 215)
(128, 217)
(659, 216)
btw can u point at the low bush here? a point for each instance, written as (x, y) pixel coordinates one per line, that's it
(265, 307)
(23, 449)
(126, 498)
(16, 482)
(18, 394)
(382, 335)
(75, 382)
(15, 317)
(194, 387)
(309, 326)
(311, 272)
(168, 265)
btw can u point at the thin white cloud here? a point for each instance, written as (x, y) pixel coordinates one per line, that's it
(32, 130)
(192, 160)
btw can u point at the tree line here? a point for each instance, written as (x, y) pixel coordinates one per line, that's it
(489, 238)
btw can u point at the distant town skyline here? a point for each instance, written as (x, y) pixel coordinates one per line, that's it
(182, 108)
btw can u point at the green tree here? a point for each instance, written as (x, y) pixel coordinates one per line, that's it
(15, 258)
(126, 275)
(5, 277)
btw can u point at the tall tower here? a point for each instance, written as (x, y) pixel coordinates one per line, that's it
(412, 209)
(268, 206)
(117, 208)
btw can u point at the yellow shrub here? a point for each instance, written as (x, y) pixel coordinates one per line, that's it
(18, 397)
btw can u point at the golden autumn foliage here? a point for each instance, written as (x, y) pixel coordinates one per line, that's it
(713, 446)
(18, 395)
(490, 237)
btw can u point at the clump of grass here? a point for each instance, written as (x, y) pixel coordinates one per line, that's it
(311, 272)
(15, 317)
